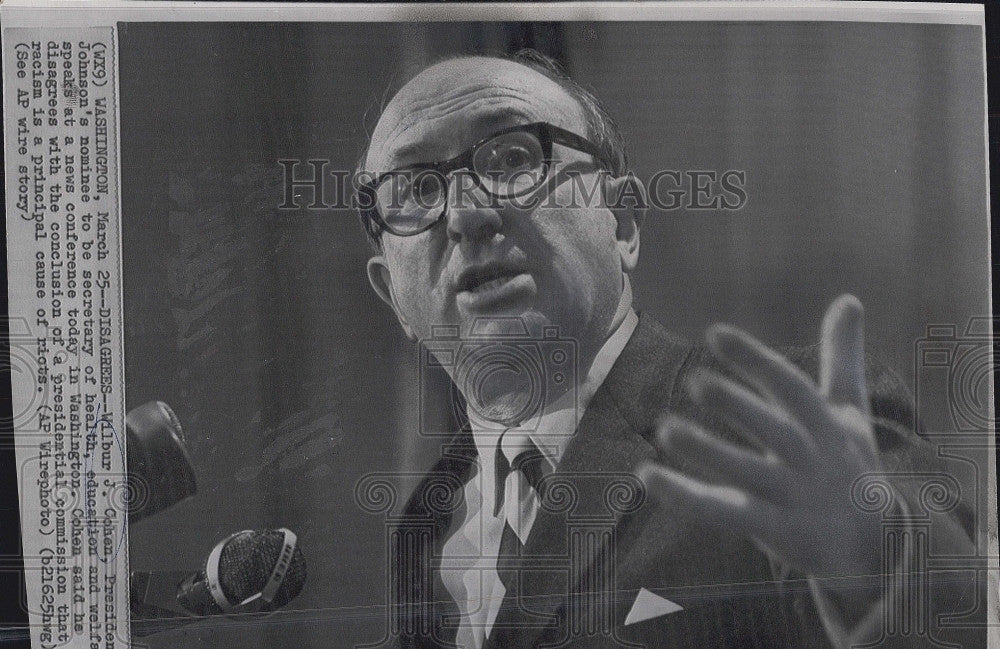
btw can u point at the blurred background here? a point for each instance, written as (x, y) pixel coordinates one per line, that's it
(863, 148)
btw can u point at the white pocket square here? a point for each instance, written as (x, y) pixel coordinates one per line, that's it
(648, 605)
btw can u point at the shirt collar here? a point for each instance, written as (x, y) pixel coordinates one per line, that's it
(552, 430)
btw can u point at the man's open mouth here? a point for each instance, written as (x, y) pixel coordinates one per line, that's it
(489, 276)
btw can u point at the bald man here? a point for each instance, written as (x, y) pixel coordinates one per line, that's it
(659, 494)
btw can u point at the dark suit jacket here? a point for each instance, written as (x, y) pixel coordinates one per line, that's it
(598, 539)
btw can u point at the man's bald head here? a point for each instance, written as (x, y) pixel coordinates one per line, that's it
(446, 85)
(470, 93)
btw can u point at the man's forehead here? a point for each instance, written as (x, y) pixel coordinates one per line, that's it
(450, 105)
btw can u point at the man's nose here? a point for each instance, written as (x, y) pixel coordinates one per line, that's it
(472, 214)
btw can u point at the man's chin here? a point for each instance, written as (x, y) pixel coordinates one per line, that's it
(516, 321)
(504, 410)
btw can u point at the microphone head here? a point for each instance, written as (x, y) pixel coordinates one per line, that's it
(159, 469)
(247, 561)
(246, 564)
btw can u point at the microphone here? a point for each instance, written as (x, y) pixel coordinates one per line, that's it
(159, 472)
(247, 572)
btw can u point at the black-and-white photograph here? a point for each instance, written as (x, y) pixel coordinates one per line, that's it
(585, 333)
(719, 412)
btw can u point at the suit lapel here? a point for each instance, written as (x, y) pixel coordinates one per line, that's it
(425, 608)
(570, 549)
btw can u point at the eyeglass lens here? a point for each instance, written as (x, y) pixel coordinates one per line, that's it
(508, 165)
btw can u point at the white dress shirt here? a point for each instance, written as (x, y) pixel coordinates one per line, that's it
(469, 555)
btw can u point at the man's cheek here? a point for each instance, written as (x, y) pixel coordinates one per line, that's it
(428, 308)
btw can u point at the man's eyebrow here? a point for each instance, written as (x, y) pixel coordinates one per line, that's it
(483, 125)
(407, 151)
(492, 121)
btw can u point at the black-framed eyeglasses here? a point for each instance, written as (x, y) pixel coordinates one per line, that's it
(507, 164)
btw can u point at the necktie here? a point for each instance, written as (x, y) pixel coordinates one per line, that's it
(533, 465)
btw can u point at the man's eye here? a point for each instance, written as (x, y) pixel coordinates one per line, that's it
(509, 154)
(426, 186)
(516, 159)
(410, 186)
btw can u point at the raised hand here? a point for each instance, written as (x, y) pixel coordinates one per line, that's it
(793, 495)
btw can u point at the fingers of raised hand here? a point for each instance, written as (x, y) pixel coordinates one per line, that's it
(762, 475)
(752, 415)
(715, 505)
(771, 373)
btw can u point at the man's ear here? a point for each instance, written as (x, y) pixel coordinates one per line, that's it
(626, 198)
(381, 281)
